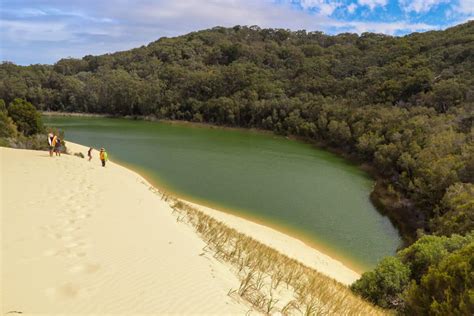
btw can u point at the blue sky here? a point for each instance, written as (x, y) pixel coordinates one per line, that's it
(40, 31)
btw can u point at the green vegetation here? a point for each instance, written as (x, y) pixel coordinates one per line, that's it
(7, 126)
(403, 104)
(434, 276)
(21, 126)
(26, 117)
(447, 288)
(384, 285)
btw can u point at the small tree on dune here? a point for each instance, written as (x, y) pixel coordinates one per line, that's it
(25, 116)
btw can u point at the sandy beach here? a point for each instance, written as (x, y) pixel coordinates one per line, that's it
(80, 238)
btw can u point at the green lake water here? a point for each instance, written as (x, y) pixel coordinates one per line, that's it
(287, 184)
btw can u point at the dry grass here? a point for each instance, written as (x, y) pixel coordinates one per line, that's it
(271, 281)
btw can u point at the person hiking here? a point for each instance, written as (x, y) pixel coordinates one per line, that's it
(50, 142)
(57, 147)
(53, 144)
(89, 153)
(103, 156)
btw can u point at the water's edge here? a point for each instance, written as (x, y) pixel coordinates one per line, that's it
(325, 249)
(310, 240)
(403, 216)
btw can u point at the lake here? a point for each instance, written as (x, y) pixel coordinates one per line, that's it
(292, 186)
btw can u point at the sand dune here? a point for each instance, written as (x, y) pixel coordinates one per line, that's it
(79, 238)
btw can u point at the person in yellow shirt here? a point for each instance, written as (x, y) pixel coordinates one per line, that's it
(103, 156)
(57, 146)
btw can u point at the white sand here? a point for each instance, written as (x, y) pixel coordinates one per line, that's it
(79, 238)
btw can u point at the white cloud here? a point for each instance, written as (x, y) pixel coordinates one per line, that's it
(20, 31)
(420, 6)
(466, 7)
(351, 8)
(77, 28)
(372, 4)
(179, 17)
(324, 7)
(391, 28)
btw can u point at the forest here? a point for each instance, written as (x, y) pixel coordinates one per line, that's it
(403, 105)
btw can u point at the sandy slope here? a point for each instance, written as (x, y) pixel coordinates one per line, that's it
(285, 244)
(79, 238)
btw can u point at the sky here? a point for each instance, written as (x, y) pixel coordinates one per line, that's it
(42, 32)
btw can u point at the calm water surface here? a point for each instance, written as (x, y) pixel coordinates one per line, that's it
(288, 184)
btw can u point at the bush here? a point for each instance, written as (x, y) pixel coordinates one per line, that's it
(34, 142)
(456, 210)
(428, 251)
(447, 288)
(25, 116)
(414, 269)
(4, 142)
(7, 127)
(384, 285)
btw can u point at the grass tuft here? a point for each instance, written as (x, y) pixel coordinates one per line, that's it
(267, 276)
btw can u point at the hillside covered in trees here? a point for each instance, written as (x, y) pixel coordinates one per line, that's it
(405, 105)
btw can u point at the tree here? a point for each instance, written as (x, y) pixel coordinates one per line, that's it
(447, 288)
(455, 213)
(25, 116)
(7, 127)
(446, 94)
(339, 132)
(384, 285)
(368, 143)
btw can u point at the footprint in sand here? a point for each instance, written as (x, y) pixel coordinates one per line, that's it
(66, 291)
(76, 244)
(83, 216)
(62, 237)
(71, 229)
(68, 252)
(87, 268)
(71, 221)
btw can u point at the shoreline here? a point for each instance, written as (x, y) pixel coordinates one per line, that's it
(211, 208)
(105, 240)
(386, 204)
(292, 232)
(225, 213)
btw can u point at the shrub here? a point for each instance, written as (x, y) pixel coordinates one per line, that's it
(456, 210)
(385, 284)
(7, 127)
(428, 251)
(447, 288)
(3, 107)
(25, 116)
(34, 142)
(403, 277)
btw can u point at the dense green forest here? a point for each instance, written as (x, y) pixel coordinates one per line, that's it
(405, 105)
